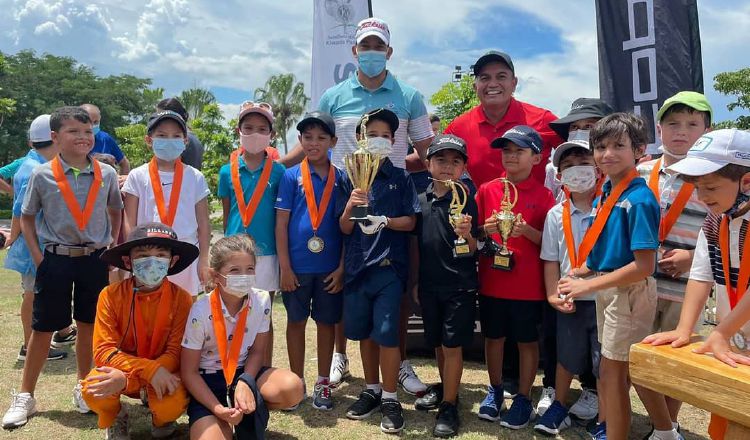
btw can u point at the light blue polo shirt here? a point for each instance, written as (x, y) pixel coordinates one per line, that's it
(262, 227)
(633, 225)
(19, 257)
(292, 198)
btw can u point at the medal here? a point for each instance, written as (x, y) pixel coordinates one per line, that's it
(315, 244)
(739, 340)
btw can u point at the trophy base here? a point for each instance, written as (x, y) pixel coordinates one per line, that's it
(360, 213)
(503, 261)
(462, 250)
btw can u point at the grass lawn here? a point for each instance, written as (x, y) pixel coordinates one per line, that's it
(58, 420)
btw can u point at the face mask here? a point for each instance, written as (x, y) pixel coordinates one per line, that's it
(255, 143)
(379, 145)
(168, 149)
(579, 179)
(150, 271)
(96, 129)
(371, 62)
(670, 154)
(239, 285)
(739, 203)
(579, 135)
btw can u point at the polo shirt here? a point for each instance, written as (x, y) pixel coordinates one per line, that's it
(263, 225)
(526, 280)
(485, 163)
(291, 198)
(633, 225)
(106, 144)
(19, 257)
(392, 195)
(8, 171)
(57, 225)
(347, 101)
(439, 270)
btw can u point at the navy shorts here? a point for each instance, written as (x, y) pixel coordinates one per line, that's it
(312, 295)
(372, 306)
(578, 346)
(516, 319)
(448, 317)
(218, 386)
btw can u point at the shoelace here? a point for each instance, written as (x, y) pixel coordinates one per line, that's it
(325, 391)
(490, 400)
(19, 401)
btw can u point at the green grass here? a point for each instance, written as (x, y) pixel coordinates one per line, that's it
(57, 419)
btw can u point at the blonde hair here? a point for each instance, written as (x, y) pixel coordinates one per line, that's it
(226, 246)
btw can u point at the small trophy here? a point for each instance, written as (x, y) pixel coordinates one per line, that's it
(361, 167)
(506, 220)
(459, 198)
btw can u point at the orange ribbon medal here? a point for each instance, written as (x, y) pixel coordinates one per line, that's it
(248, 211)
(144, 348)
(229, 358)
(315, 244)
(166, 216)
(81, 217)
(675, 209)
(735, 294)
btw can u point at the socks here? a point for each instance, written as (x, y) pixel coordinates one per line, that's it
(387, 395)
(375, 387)
(665, 435)
(322, 379)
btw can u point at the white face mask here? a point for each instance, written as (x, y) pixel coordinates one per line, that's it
(255, 143)
(239, 285)
(579, 135)
(579, 178)
(379, 145)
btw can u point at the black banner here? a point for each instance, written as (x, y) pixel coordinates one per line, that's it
(648, 51)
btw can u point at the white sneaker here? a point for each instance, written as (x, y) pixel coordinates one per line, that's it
(21, 408)
(78, 401)
(339, 369)
(119, 429)
(666, 435)
(548, 396)
(409, 381)
(587, 405)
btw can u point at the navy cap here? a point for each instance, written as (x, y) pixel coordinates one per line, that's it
(447, 142)
(521, 135)
(324, 119)
(156, 118)
(493, 56)
(381, 114)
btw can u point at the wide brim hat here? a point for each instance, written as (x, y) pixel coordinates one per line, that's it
(582, 108)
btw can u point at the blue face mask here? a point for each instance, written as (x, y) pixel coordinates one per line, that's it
(150, 271)
(168, 149)
(96, 129)
(371, 62)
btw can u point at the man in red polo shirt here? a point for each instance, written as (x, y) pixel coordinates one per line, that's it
(494, 83)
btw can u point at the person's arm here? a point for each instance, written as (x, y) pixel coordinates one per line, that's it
(293, 157)
(204, 238)
(124, 166)
(28, 228)
(197, 387)
(641, 268)
(696, 295)
(420, 147)
(357, 197)
(225, 208)
(412, 283)
(256, 354)
(404, 223)
(115, 218)
(131, 213)
(15, 230)
(551, 278)
(6, 187)
(717, 342)
(522, 228)
(289, 281)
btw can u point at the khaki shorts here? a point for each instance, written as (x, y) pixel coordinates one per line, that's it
(624, 316)
(668, 316)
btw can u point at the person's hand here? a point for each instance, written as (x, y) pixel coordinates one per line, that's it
(5, 239)
(121, 180)
(561, 305)
(645, 158)
(233, 416)
(164, 382)
(579, 272)
(490, 225)
(334, 282)
(110, 381)
(244, 400)
(675, 262)
(357, 198)
(676, 338)
(204, 272)
(718, 345)
(572, 288)
(289, 282)
(374, 224)
(519, 228)
(463, 226)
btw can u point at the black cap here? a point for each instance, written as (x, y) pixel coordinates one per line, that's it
(447, 142)
(493, 56)
(521, 135)
(322, 118)
(381, 114)
(156, 234)
(155, 118)
(582, 108)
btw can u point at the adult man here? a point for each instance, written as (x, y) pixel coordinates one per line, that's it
(495, 82)
(103, 142)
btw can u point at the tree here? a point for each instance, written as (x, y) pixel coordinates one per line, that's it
(7, 105)
(454, 99)
(218, 139)
(288, 99)
(195, 100)
(735, 83)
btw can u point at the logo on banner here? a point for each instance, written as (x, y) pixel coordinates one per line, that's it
(341, 11)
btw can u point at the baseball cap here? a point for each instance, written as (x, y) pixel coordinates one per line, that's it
(322, 118)
(493, 56)
(582, 108)
(715, 150)
(262, 108)
(447, 142)
(565, 146)
(521, 135)
(39, 130)
(156, 118)
(373, 26)
(381, 114)
(694, 100)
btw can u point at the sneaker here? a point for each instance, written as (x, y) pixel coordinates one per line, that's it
(554, 420)
(52, 354)
(548, 396)
(587, 405)
(339, 369)
(78, 401)
(119, 429)
(21, 408)
(431, 398)
(392, 421)
(61, 341)
(367, 403)
(492, 405)
(409, 381)
(653, 436)
(519, 415)
(163, 431)
(447, 421)
(599, 431)
(322, 396)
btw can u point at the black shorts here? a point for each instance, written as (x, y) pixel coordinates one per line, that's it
(501, 318)
(218, 386)
(61, 279)
(578, 345)
(448, 317)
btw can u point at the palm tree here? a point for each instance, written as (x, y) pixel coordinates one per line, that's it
(195, 100)
(288, 99)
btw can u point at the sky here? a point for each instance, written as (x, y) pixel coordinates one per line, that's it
(231, 47)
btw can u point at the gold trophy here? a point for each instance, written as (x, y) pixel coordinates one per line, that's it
(459, 198)
(506, 221)
(361, 167)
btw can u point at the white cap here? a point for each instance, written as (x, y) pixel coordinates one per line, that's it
(373, 26)
(39, 130)
(715, 150)
(565, 146)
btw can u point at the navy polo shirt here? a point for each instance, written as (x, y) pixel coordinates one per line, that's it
(291, 198)
(106, 144)
(392, 195)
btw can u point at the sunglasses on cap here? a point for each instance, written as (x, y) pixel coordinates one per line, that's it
(251, 104)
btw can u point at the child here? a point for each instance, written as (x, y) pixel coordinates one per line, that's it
(447, 284)
(248, 186)
(376, 267)
(718, 166)
(138, 330)
(223, 351)
(308, 242)
(564, 228)
(167, 191)
(510, 302)
(682, 120)
(81, 206)
(622, 241)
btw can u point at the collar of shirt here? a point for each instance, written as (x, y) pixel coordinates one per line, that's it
(386, 168)
(257, 170)
(432, 196)
(76, 171)
(513, 116)
(525, 184)
(388, 83)
(33, 154)
(225, 312)
(607, 187)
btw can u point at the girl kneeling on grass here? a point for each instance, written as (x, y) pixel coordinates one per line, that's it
(231, 389)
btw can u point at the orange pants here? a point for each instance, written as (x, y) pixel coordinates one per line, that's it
(165, 410)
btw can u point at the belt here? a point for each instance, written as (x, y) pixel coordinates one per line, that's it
(385, 262)
(71, 251)
(206, 371)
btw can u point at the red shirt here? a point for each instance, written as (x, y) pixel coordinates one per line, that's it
(526, 280)
(485, 162)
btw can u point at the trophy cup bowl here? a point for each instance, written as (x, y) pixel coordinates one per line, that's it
(361, 167)
(506, 221)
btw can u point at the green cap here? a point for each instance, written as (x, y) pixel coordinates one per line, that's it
(694, 100)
